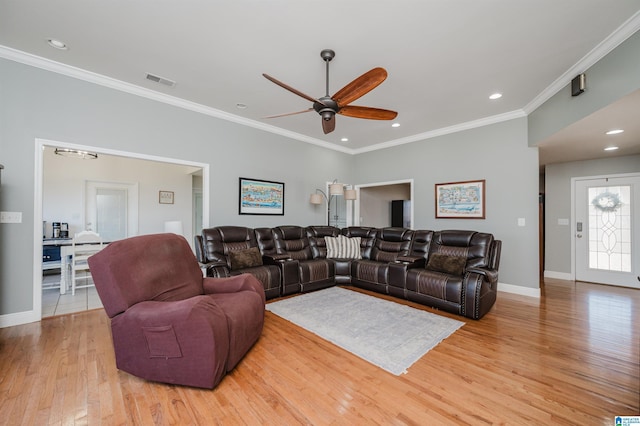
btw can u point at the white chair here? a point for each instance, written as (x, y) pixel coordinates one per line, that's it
(85, 244)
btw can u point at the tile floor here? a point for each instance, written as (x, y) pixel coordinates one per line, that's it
(54, 303)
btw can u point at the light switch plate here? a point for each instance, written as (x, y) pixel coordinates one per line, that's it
(10, 217)
(564, 222)
(521, 221)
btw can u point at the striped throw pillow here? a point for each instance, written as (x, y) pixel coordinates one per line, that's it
(342, 247)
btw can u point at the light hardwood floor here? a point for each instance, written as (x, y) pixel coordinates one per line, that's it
(569, 358)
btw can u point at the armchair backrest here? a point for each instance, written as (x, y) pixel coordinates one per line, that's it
(367, 238)
(292, 240)
(158, 267)
(474, 246)
(218, 242)
(390, 243)
(316, 235)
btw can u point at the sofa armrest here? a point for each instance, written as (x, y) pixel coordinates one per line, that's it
(215, 269)
(274, 259)
(412, 261)
(480, 291)
(490, 275)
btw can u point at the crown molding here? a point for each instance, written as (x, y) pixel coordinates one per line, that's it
(102, 80)
(623, 32)
(446, 130)
(626, 30)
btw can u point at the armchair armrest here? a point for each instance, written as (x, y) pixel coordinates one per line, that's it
(234, 284)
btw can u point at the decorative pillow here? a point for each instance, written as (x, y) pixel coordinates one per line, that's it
(452, 265)
(247, 258)
(342, 247)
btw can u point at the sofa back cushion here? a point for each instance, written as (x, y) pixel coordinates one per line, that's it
(317, 235)
(218, 242)
(293, 241)
(367, 238)
(390, 243)
(421, 243)
(159, 267)
(265, 240)
(473, 246)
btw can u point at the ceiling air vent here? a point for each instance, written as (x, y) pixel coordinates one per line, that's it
(161, 80)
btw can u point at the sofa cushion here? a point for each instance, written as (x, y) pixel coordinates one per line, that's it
(453, 265)
(246, 258)
(342, 247)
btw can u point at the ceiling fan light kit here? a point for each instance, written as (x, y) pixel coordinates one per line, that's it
(328, 106)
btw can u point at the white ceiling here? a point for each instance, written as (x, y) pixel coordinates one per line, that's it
(444, 58)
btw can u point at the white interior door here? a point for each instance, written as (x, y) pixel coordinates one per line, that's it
(112, 209)
(607, 230)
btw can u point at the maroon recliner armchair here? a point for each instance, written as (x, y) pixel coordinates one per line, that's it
(169, 324)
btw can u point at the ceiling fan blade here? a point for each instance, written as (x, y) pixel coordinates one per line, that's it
(360, 86)
(367, 112)
(289, 113)
(329, 125)
(291, 89)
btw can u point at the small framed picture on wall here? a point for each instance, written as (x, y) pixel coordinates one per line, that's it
(165, 197)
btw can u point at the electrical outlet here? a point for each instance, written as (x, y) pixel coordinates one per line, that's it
(10, 217)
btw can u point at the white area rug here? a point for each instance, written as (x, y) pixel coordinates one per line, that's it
(387, 334)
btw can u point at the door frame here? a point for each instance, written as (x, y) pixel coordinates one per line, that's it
(573, 210)
(40, 145)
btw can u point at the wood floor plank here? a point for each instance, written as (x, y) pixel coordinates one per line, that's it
(570, 357)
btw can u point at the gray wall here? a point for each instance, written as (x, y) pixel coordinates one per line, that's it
(41, 104)
(558, 203)
(611, 78)
(499, 154)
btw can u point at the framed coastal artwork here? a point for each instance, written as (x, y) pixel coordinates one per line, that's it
(261, 197)
(460, 200)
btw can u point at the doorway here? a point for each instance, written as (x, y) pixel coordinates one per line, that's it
(607, 230)
(148, 199)
(374, 204)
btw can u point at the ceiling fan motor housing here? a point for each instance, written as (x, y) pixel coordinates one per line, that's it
(327, 109)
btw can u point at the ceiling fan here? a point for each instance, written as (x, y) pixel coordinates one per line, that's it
(328, 106)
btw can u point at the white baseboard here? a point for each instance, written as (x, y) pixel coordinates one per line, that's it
(19, 318)
(518, 289)
(559, 275)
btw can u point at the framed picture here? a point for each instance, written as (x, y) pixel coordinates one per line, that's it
(261, 197)
(165, 197)
(460, 200)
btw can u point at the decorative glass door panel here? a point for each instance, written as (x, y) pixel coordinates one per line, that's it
(606, 231)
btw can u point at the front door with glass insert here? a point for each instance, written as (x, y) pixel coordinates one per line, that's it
(607, 231)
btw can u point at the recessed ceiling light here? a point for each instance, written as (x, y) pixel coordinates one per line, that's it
(495, 96)
(345, 139)
(395, 125)
(611, 148)
(57, 44)
(614, 131)
(241, 106)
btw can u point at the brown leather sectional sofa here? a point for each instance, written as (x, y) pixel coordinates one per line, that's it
(452, 270)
